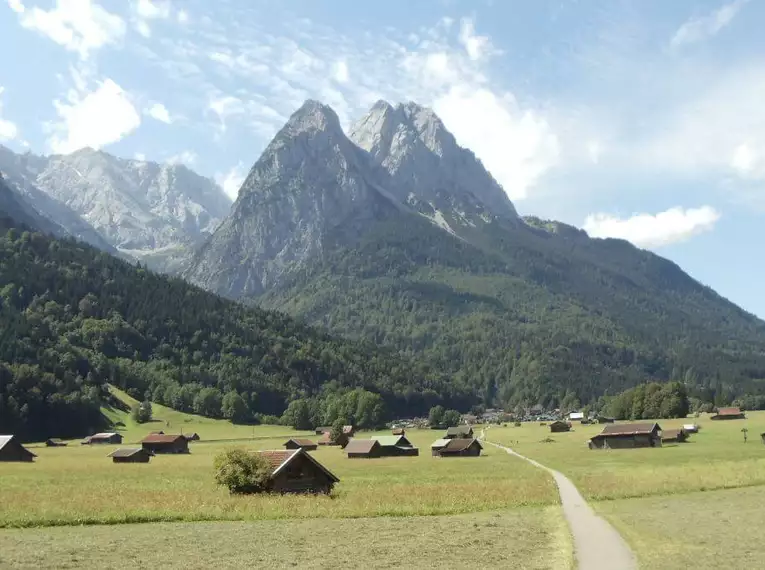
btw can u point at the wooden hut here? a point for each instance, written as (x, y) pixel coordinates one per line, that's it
(295, 471)
(137, 455)
(107, 438)
(322, 430)
(296, 443)
(363, 449)
(395, 446)
(621, 436)
(326, 439)
(691, 428)
(164, 443)
(438, 445)
(604, 420)
(54, 442)
(398, 431)
(560, 426)
(192, 436)
(459, 432)
(461, 447)
(674, 436)
(729, 414)
(12, 450)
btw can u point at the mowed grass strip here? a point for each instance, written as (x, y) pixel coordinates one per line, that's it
(715, 458)
(709, 530)
(80, 485)
(525, 538)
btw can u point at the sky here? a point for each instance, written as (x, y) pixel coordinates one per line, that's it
(642, 119)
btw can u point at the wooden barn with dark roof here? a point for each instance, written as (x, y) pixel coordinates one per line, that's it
(137, 455)
(459, 432)
(326, 439)
(729, 414)
(297, 443)
(560, 426)
(54, 442)
(624, 436)
(363, 449)
(395, 446)
(674, 436)
(164, 443)
(295, 471)
(107, 438)
(12, 450)
(461, 447)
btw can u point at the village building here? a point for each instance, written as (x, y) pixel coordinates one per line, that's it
(576, 416)
(295, 471)
(12, 450)
(690, 428)
(674, 436)
(363, 449)
(326, 439)
(192, 436)
(604, 420)
(305, 444)
(163, 443)
(395, 446)
(728, 414)
(137, 455)
(459, 432)
(322, 430)
(438, 445)
(54, 442)
(621, 436)
(560, 426)
(398, 431)
(108, 438)
(461, 447)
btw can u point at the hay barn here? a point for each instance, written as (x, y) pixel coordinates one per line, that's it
(459, 432)
(54, 442)
(398, 431)
(138, 455)
(467, 447)
(363, 449)
(560, 426)
(729, 414)
(192, 436)
(625, 436)
(326, 439)
(162, 443)
(674, 436)
(295, 471)
(108, 438)
(305, 444)
(12, 450)
(438, 445)
(395, 446)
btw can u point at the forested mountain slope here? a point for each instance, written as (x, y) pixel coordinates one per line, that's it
(73, 318)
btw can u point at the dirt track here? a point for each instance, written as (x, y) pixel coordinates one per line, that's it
(597, 545)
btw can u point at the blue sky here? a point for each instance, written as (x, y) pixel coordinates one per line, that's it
(635, 119)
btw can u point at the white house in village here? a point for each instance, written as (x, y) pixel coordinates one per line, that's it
(576, 416)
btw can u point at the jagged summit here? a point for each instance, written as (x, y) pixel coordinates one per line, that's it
(313, 116)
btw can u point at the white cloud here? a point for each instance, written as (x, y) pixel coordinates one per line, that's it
(95, 119)
(226, 106)
(8, 130)
(704, 27)
(340, 72)
(232, 180)
(475, 46)
(81, 26)
(145, 10)
(139, 156)
(186, 157)
(159, 112)
(516, 146)
(182, 16)
(653, 230)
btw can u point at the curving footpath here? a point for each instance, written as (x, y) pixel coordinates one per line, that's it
(597, 545)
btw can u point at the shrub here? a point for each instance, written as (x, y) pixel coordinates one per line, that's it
(242, 472)
(141, 413)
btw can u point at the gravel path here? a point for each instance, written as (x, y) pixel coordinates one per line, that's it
(597, 545)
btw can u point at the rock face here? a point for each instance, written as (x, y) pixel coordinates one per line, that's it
(13, 205)
(140, 208)
(428, 169)
(310, 181)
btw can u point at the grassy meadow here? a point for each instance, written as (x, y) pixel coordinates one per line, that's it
(714, 458)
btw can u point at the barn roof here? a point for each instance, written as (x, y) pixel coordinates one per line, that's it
(7, 439)
(125, 452)
(279, 459)
(671, 433)
(162, 438)
(361, 445)
(459, 430)
(461, 444)
(301, 442)
(440, 443)
(392, 440)
(729, 412)
(104, 435)
(630, 429)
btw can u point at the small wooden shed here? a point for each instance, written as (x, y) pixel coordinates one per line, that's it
(395, 446)
(192, 436)
(326, 439)
(398, 431)
(12, 450)
(106, 438)
(164, 443)
(295, 471)
(438, 445)
(560, 426)
(459, 432)
(729, 414)
(674, 436)
(54, 442)
(137, 455)
(296, 443)
(461, 447)
(363, 449)
(322, 430)
(624, 436)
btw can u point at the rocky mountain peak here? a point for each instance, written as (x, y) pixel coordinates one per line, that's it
(313, 116)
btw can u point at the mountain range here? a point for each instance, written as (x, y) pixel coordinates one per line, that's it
(393, 234)
(156, 213)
